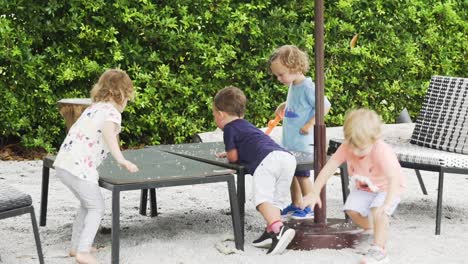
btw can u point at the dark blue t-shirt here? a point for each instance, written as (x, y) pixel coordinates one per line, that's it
(252, 144)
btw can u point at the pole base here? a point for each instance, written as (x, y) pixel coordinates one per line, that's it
(334, 234)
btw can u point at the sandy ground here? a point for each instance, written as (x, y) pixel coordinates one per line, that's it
(194, 221)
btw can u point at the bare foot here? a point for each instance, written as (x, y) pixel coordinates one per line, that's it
(85, 258)
(72, 253)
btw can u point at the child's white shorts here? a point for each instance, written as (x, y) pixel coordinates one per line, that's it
(272, 179)
(362, 202)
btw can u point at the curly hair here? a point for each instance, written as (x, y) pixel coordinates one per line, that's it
(292, 58)
(113, 84)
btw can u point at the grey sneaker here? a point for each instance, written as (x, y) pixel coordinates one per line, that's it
(281, 240)
(365, 243)
(375, 254)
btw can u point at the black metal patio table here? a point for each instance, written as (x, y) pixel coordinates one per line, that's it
(156, 169)
(206, 152)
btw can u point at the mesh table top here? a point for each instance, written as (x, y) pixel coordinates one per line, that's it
(207, 152)
(154, 166)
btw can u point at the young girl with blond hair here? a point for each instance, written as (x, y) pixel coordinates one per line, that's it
(377, 180)
(86, 145)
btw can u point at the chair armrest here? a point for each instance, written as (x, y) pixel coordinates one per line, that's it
(333, 146)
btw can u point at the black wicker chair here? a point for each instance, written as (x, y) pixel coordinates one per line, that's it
(14, 203)
(404, 117)
(440, 138)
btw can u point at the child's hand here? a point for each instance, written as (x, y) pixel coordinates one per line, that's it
(304, 130)
(128, 165)
(381, 210)
(221, 155)
(310, 200)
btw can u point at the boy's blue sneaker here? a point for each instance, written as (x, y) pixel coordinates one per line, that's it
(299, 214)
(288, 210)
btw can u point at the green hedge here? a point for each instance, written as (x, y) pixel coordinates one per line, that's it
(180, 52)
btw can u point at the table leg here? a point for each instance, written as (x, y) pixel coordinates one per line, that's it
(235, 214)
(115, 226)
(439, 202)
(36, 235)
(154, 208)
(143, 201)
(241, 197)
(344, 185)
(44, 195)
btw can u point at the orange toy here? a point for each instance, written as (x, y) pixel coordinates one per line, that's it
(272, 124)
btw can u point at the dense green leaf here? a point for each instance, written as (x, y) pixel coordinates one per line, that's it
(179, 53)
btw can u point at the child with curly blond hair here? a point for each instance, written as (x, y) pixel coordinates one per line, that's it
(290, 64)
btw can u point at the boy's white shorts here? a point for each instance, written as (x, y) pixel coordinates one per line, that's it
(272, 179)
(362, 202)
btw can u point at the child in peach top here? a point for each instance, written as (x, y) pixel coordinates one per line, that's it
(376, 177)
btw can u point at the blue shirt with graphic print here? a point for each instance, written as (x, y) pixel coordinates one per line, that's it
(300, 108)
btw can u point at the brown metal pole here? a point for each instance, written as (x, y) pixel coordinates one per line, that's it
(319, 127)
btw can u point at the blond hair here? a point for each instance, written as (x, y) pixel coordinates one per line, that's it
(113, 84)
(292, 58)
(362, 127)
(231, 100)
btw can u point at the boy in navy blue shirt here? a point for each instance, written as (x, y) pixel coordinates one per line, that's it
(272, 167)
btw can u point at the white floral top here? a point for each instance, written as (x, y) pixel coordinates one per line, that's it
(84, 148)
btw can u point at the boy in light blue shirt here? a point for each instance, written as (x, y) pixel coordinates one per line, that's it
(289, 64)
